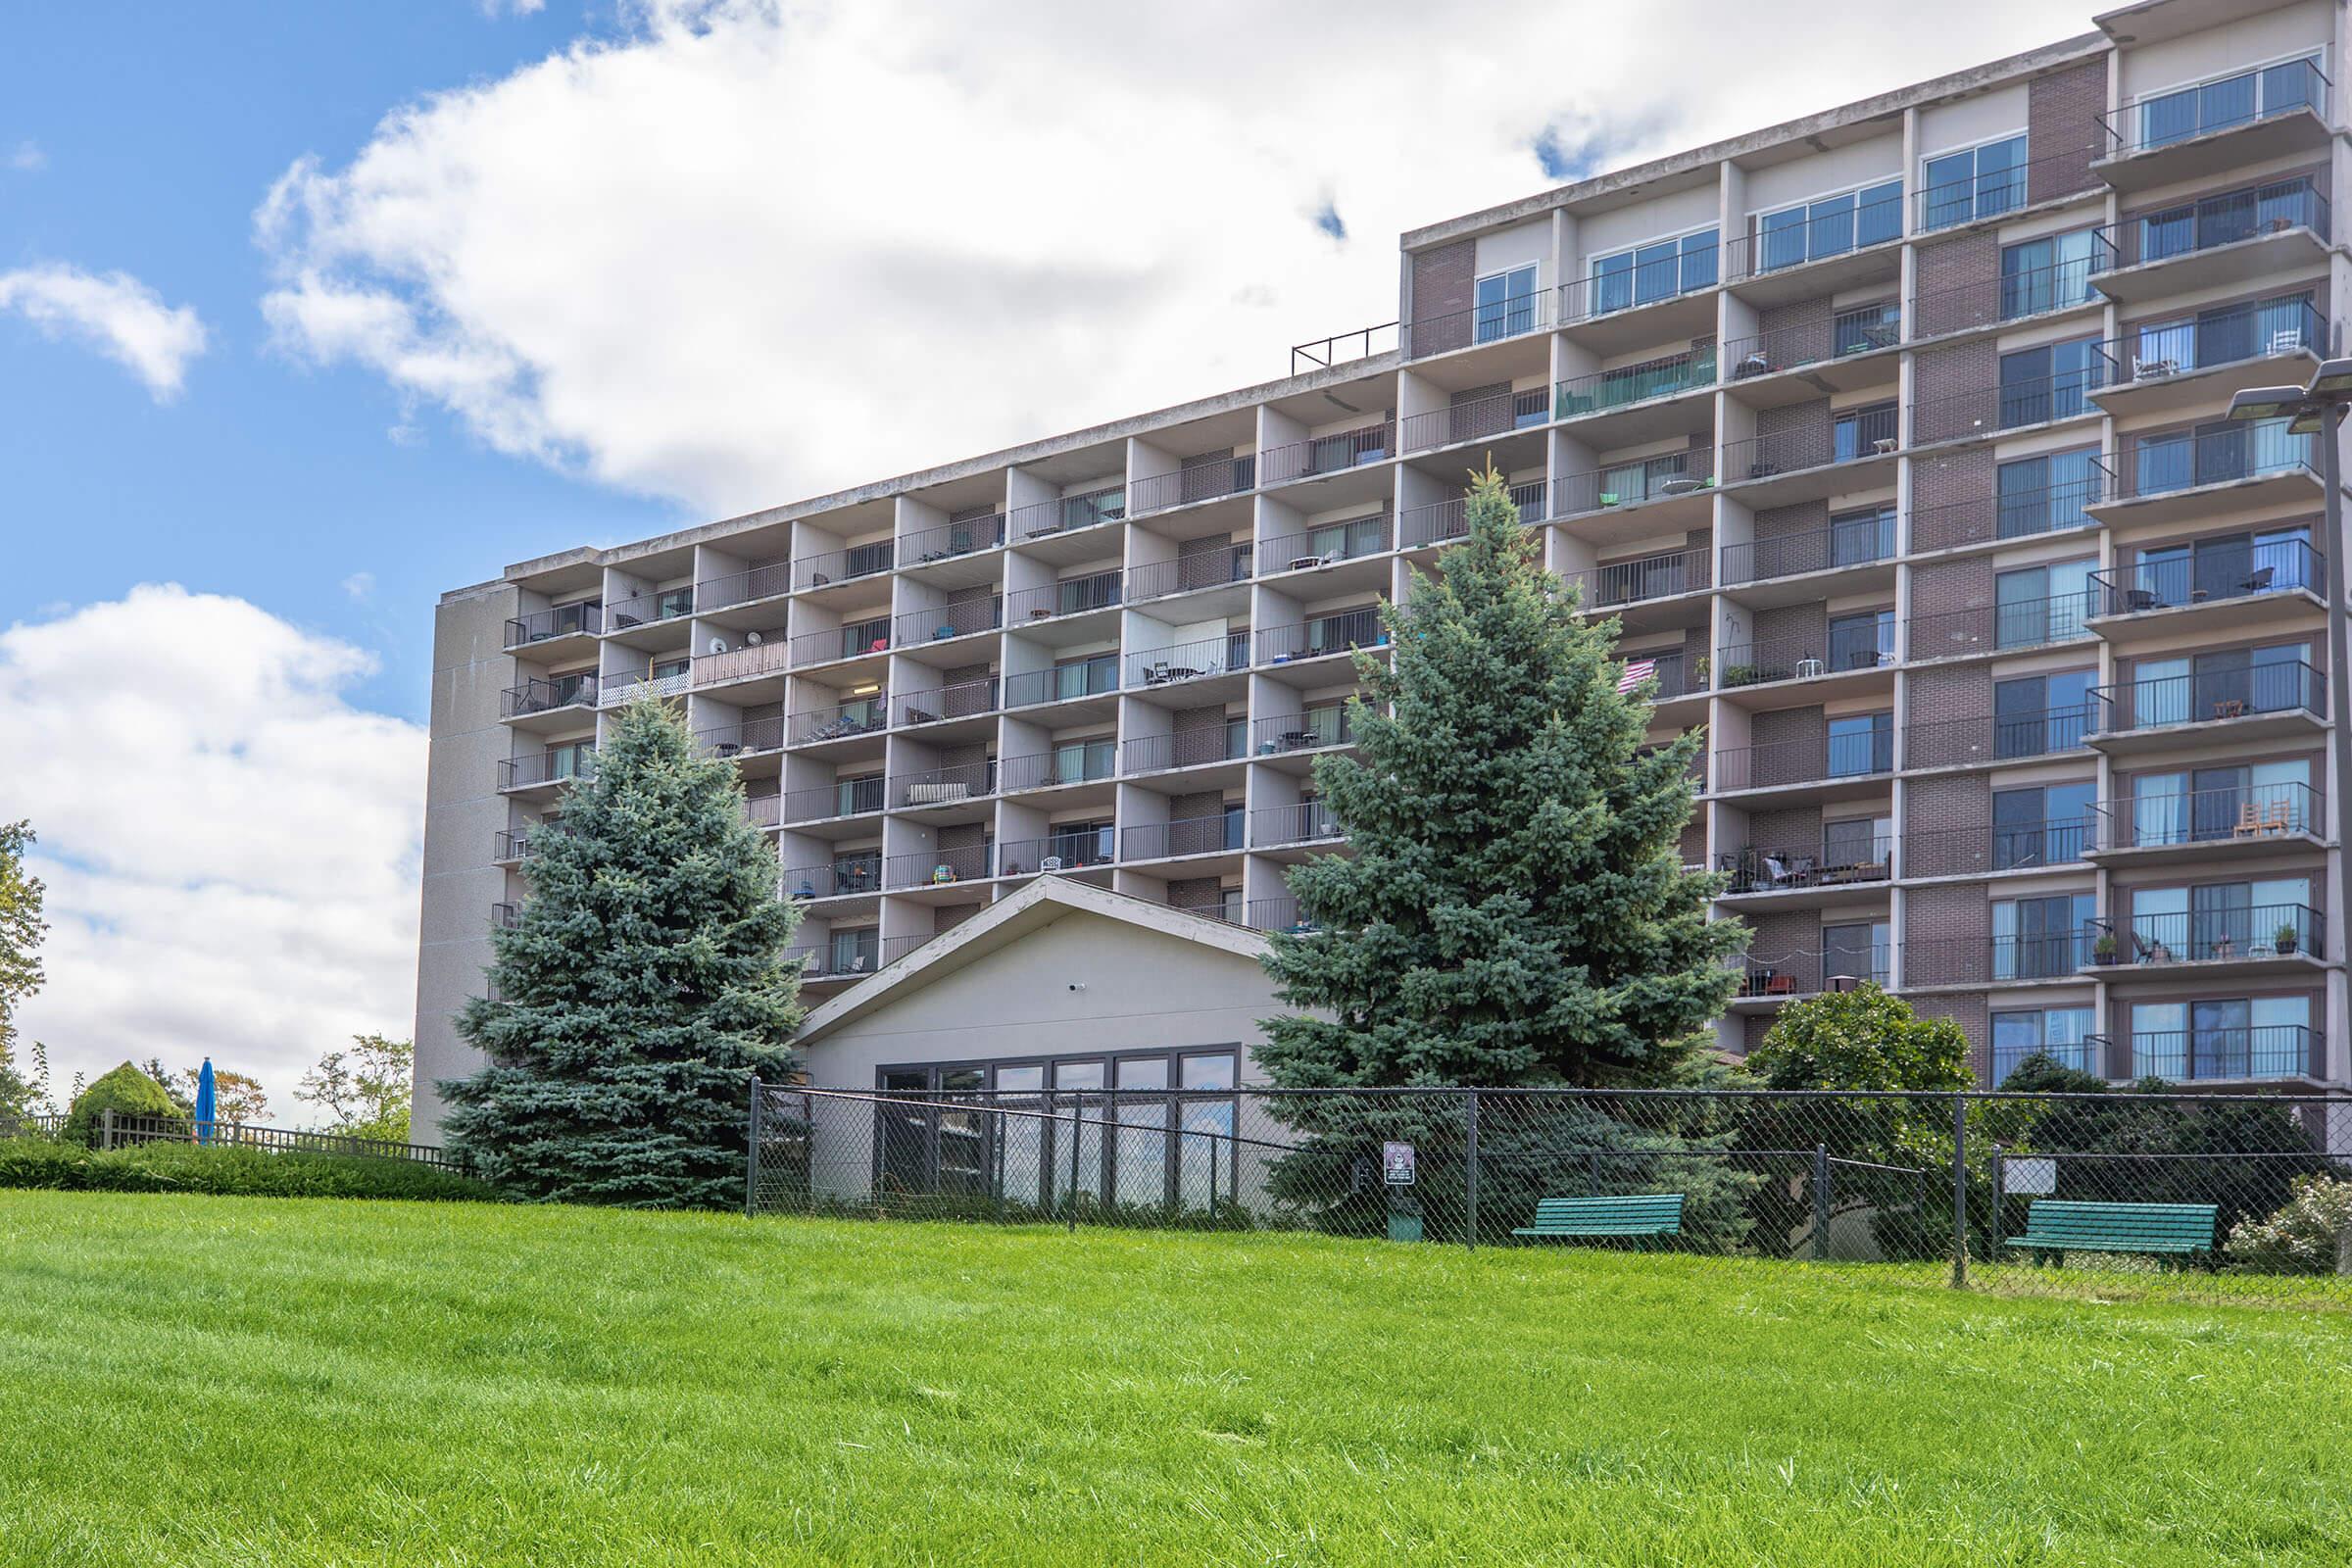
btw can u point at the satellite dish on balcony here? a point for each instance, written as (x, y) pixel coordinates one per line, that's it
(718, 645)
(751, 639)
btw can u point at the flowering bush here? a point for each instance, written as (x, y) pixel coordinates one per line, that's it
(2312, 1234)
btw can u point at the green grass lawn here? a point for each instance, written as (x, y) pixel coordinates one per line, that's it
(246, 1381)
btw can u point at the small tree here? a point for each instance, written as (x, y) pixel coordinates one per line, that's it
(644, 985)
(128, 1092)
(21, 931)
(364, 1088)
(1516, 910)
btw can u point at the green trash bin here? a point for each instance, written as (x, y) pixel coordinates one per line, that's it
(1405, 1215)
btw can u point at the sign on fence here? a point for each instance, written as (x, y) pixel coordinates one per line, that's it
(1397, 1163)
(2029, 1177)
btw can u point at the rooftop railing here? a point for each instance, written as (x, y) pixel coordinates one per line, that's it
(1475, 419)
(2207, 694)
(536, 695)
(965, 538)
(1086, 678)
(565, 621)
(1439, 522)
(2249, 813)
(2244, 98)
(1327, 453)
(1997, 738)
(2224, 218)
(1847, 542)
(841, 565)
(1327, 544)
(1197, 481)
(1341, 347)
(2229, 571)
(1832, 335)
(1631, 384)
(1071, 596)
(2013, 296)
(1042, 519)
(744, 587)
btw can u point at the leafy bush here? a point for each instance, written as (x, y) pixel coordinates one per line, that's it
(126, 1092)
(246, 1172)
(2304, 1237)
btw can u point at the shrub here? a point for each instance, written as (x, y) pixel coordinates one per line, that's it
(245, 1172)
(126, 1092)
(2304, 1237)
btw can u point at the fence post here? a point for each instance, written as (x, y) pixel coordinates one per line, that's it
(1959, 1191)
(751, 1158)
(1077, 1127)
(1470, 1166)
(1820, 1199)
(106, 1128)
(1994, 1249)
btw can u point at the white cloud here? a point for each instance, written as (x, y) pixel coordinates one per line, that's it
(27, 158)
(231, 849)
(495, 9)
(758, 248)
(359, 586)
(118, 315)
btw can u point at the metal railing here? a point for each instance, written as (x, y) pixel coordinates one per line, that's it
(1340, 632)
(1211, 480)
(1990, 629)
(939, 867)
(2236, 813)
(945, 786)
(1076, 763)
(1325, 544)
(1071, 596)
(2241, 571)
(744, 587)
(117, 1129)
(1361, 344)
(1848, 542)
(1475, 419)
(834, 959)
(1219, 568)
(1829, 862)
(1995, 846)
(864, 715)
(512, 845)
(764, 810)
(1872, 432)
(1628, 484)
(2011, 296)
(1441, 520)
(1814, 760)
(845, 875)
(2208, 695)
(968, 699)
(1632, 583)
(1313, 730)
(1872, 221)
(547, 768)
(2260, 1051)
(1335, 453)
(844, 564)
(1683, 270)
(1040, 520)
(1832, 335)
(2225, 217)
(763, 658)
(1308, 823)
(2239, 334)
(1058, 852)
(1192, 834)
(1192, 661)
(565, 621)
(1797, 659)
(2214, 936)
(2016, 515)
(2224, 103)
(1492, 323)
(649, 608)
(847, 797)
(965, 538)
(536, 695)
(853, 641)
(1993, 193)
(2009, 404)
(1997, 737)
(1628, 385)
(1225, 742)
(945, 622)
(2176, 461)
(1806, 971)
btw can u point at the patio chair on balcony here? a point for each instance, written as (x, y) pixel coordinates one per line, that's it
(2259, 581)
(2140, 599)
(2153, 369)
(2272, 817)
(2145, 952)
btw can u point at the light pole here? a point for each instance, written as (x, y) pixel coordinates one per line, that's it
(2318, 409)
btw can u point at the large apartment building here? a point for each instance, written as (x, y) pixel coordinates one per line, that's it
(1894, 436)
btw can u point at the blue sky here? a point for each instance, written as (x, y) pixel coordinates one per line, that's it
(265, 480)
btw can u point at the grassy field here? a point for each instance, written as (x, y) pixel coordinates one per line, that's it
(201, 1380)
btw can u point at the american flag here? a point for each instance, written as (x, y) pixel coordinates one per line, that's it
(1636, 672)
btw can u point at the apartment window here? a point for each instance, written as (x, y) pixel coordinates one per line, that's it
(2047, 382)
(1830, 225)
(2224, 1037)
(2062, 1034)
(573, 760)
(1859, 432)
(2225, 334)
(853, 951)
(1866, 328)
(863, 793)
(1861, 744)
(1857, 844)
(2188, 806)
(672, 602)
(2229, 216)
(2222, 920)
(1857, 538)
(1858, 950)
(1629, 482)
(2036, 605)
(2042, 939)
(2223, 567)
(1077, 761)
(1085, 677)
(2214, 453)
(2043, 824)
(1657, 271)
(2051, 273)
(1080, 843)
(2046, 494)
(2224, 683)
(1506, 303)
(2234, 100)
(1978, 182)
(1862, 642)
(2037, 715)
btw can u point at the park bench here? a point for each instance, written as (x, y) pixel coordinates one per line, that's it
(2163, 1230)
(1640, 1216)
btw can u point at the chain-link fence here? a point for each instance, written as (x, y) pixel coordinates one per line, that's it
(2217, 1190)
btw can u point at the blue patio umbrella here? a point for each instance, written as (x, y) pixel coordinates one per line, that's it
(207, 1104)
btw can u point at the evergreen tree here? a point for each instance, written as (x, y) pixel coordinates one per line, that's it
(1516, 911)
(643, 985)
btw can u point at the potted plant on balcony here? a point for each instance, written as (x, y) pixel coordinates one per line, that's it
(2284, 938)
(2103, 948)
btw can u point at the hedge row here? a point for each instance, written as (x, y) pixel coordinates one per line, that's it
(245, 1172)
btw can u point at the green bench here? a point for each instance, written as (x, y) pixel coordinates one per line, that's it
(2162, 1230)
(1640, 1216)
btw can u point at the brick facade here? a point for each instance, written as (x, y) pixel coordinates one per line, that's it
(1951, 609)
(1798, 435)
(1947, 826)
(1796, 334)
(1970, 1013)
(1792, 743)
(2062, 132)
(1948, 935)
(1956, 392)
(1953, 499)
(1948, 716)
(1444, 282)
(1958, 285)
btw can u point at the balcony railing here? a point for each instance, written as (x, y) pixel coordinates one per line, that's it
(1675, 270)
(743, 737)
(2166, 465)
(623, 687)
(865, 715)
(1838, 335)
(1441, 520)
(565, 621)
(1067, 514)
(1199, 481)
(1800, 973)
(1327, 545)
(1832, 863)
(1813, 761)
(1071, 596)
(764, 810)
(1086, 678)
(2248, 813)
(1308, 823)
(1338, 633)
(2016, 515)
(1872, 432)
(1629, 484)
(965, 538)
(512, 845)
(1475, 419)
(847, 797)
(1059, 852)
(944, 623)
(1192, 834)
(2223, 218)
(744, 587)
(841, 565)
(645, 610)
(1990, 629)
(742, 663)
(1077, 762)
(1828, 228)
(1994, 738)
(1991, 192)
(1796, 658)
(842, 642)
(537, 695)
(2158, 351)
(1327, 453)
(1225, 906)
(1208, 656)
(2224, 103)
(1632, 583)
(1278, 913)
(2218, 936)
(1491, 323)
(1996, 847)
(1226, 742)
(547, 768)
(2013, 296)
(2011, 405)
(937, 868)
(2202, 696)
(2239, 571)
(1628, 385)
(844, 874)
(967, 698)
(1852, 542)
(844, 955)
(945, 786)
(2263, 1050)
(506, 916)
(1311, 730)
(1217, 569)
(2087, 1055)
